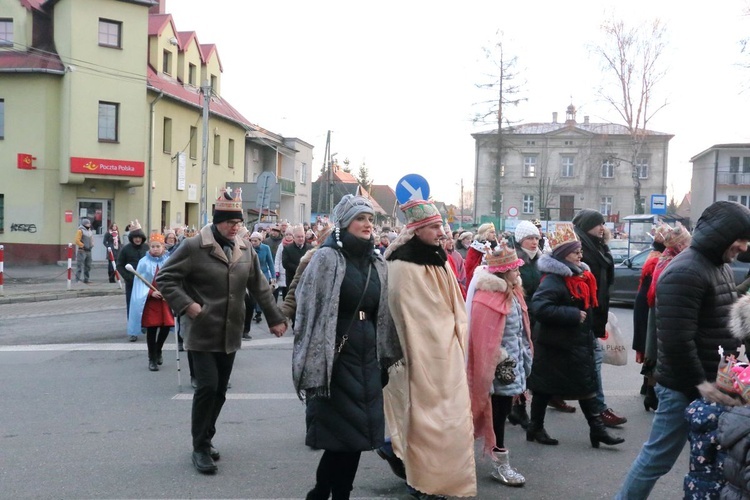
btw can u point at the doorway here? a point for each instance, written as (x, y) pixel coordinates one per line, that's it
(99, 213)
(567, 207)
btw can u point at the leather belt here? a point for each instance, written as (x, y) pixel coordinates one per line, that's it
(362, 316)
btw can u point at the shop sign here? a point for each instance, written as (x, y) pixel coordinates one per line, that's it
(99, 166)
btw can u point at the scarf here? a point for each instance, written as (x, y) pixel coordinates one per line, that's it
(583, 287)
(115, 239)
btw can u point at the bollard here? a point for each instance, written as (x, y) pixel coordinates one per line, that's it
(111, 258)
(2, 268)
(70, 264)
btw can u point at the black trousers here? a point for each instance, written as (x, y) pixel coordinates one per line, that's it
(335, 474)
(154, 343)
(212, 371)
(501, 406)
(539, 402)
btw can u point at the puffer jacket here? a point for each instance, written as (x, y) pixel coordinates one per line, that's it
(131, 254)
(734, 438)
(694, 296)
(563, 346)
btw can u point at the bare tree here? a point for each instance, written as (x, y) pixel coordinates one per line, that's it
(631, 56)
(500, 84)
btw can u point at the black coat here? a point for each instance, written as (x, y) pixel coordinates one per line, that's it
(290, 257)
(352, 418)
(734, 438)
(131, 254)
(597, 256)
(694, 296)
(563, 346)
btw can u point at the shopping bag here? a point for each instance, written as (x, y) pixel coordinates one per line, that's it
(613, 343)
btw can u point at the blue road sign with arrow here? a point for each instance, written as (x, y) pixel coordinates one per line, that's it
(412, 187)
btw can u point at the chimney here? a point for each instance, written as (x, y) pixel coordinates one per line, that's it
(554, 117)
(585, 120)
(159, 8)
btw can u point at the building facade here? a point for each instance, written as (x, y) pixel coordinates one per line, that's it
(102, 116)
(721, 172)
(552, 170)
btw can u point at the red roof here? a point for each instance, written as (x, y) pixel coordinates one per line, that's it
(31, 61)
(206, 50)
(185, 37)
(191, 95)
(157, 23)
(33, 4)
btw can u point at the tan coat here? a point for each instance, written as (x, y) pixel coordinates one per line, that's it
(427, 403)
(198, 271)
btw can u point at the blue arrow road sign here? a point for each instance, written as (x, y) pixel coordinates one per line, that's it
(412, 187)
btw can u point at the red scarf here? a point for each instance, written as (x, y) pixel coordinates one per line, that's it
(583, 287)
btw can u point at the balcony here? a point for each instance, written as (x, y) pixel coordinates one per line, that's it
(732, 179)
(287, 186)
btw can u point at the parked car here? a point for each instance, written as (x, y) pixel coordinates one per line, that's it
(628, 274)
(619, 250)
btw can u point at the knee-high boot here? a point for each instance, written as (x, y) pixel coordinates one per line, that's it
(597, 430)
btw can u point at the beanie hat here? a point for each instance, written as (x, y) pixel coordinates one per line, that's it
(85, 222)
(483, 230)
(256, 235)
(587, 219)
(420, 213)
(228, 208)
(349, 208)
(502, 258)
(156, 237)
(526, 229)
(563, 241)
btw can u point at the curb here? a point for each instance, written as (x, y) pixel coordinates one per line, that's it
(55, 295)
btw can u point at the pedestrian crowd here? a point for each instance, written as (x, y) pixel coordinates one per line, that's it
(420, 342)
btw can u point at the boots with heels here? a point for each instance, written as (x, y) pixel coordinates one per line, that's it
(597, 430)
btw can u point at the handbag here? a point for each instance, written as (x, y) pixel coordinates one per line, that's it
(613, 343)
(505, 371)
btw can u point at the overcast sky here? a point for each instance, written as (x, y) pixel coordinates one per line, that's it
(395, 80)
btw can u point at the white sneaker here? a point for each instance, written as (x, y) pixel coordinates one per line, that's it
(503, 472)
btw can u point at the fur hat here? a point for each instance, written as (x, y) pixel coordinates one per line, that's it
(502, 258)
(587, 219)
(420, 213)
(739, 318)
(483, 230)
(227, 207)
(526, 229)
(349, 208)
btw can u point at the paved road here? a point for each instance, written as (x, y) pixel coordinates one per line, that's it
(82, 417)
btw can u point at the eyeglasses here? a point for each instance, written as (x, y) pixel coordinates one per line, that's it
(234, 223)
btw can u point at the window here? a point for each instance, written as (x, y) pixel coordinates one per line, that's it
(166, 63)
(108, 118)
(608, 168)
(109, 33)
(732, 197)
(256, 155)
(641, 165)
(302, 210)
(605, 205)
(608, 143)
(746, 165)
(568, 143)
(217, 149)
(6, 32)
(530, 143)
(529, 166)
(734, 163)
(744, 200)
(528, 203)
(193, 142)
(567, 164)
(2, 118)
(230, 154)
(191, 74)
(303, 173)
(214, 85)
(167, 139)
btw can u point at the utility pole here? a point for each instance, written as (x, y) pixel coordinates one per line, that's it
(461, 224)
(206, 91)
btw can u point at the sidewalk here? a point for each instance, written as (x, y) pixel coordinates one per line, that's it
(25, 283)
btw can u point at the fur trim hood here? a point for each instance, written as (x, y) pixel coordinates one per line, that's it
(550, 265)
(487, 281)
(739, 319)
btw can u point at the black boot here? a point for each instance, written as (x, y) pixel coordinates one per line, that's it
(597, 430)
(539, 434)
(152, 365)
(518, 415)
(318, 493)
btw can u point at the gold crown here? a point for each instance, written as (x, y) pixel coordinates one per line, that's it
(227, 202)
(564, 233)
(502, 257)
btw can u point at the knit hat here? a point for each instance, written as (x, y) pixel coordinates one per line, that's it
(420, 213)
(156, 237)
(526, 229)
(674, 236)
(563, 241)
(483, 230)
(85, 222)
(256, 235)
(587, 219)
(349, 208)
(466, 234)
(227, 207)
(502, 258)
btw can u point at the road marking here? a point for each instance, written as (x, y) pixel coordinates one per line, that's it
(128, 346)
(240, 395)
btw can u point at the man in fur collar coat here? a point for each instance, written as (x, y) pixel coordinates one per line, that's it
(430, 388)
(694, 297)
(204, 281)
